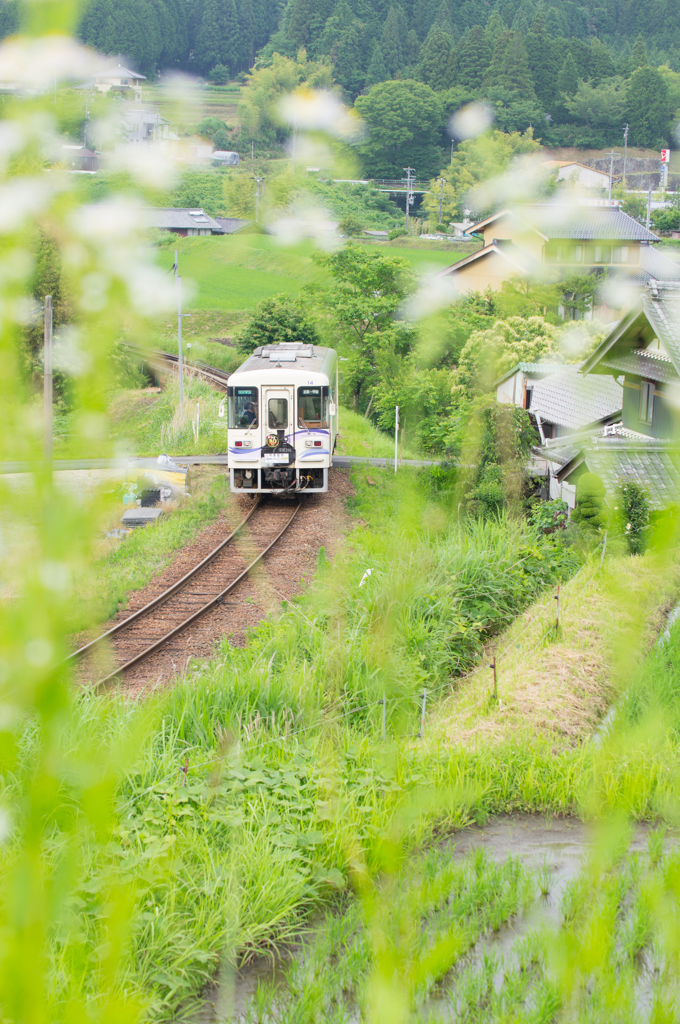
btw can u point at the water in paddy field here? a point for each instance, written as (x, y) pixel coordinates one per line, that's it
(553, 850)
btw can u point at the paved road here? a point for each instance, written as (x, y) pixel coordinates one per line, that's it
(342, 461)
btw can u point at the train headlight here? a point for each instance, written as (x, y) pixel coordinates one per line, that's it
(309, 444)
(247, 444)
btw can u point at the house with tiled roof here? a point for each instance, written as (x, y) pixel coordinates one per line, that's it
(546, 241)
(642, 353)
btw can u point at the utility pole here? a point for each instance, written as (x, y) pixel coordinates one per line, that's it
(258, 179)
(396, 436)
(47, 390)
(441, 197)
(649, 209)
(611, 156)
(252, 156)
(409, 171)
(625, 155)
(451, 152)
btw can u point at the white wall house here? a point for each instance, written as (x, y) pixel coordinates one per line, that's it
(120, 78)
(586, 177)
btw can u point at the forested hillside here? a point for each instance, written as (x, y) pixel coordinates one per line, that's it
(574, 73)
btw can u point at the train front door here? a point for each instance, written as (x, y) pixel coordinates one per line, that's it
(279, 412)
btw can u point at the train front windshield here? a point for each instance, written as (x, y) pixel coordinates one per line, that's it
(242, 408)
(313, 407)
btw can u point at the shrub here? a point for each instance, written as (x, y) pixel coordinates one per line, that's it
(275, 320)
(221, 139)
(634, 513)
(589, 511)
(396, 233)
(350, 226)
(550, 516)
(208, 126)
(219, 74)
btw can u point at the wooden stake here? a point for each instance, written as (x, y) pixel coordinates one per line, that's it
(495, 680)
(422, 716)
(557, 612)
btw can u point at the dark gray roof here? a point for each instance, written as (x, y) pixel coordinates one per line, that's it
(658, 266)
(230, 225)
(530, 369)
(655, 314)
(641, 363)
(169, 218)
(585, 223)
(656, 465)
(292, 354)
(574, 401)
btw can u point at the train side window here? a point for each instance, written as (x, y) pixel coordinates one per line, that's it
(278, 413)
(242, 408)
(313, 408)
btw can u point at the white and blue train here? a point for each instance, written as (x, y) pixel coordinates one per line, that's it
(283, 419)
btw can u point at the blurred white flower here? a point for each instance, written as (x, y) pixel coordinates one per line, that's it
(54, 575)
(118, 219)
(146, 163)
(41, 61)
(520, 181)
(22, 198)
(319, 110)
(94, 292)
(436, 291)
(628, 526)
(470, 121)
(153, 291)
(615, 293)
(38, 652)
(68, 354)
(298, 223)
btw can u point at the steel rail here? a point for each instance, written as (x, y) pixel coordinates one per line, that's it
(201, 611)
(218, 377)
(157, 601)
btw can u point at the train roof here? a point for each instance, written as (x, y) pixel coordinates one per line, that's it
(291, 355)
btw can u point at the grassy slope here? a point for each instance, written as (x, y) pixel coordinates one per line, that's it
(237, 272)
(558, 687)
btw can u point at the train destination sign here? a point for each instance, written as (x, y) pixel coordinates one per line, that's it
(282, 455)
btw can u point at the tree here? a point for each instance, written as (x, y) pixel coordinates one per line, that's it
(348, 70)
(367, 287)
(648, 113)
(221, 139)
(443, 19)
(638, 56)
(258, 109)
(219, 75)
(567, 80)
(402, 118)
(306, 21)
(218, 38)
(477, 160)
(276, 320)
(600, 107)
(392, 50)
(495, 27)
(634, 508)
(377, 72)
(497, 439)
(542, 63)
(433, 62)
(488, 353)
(590, 511)
(246, 22)
(509, 68)
(474, 57)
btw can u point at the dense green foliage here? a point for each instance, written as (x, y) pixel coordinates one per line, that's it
(633, 515)
(275, 321)
(590, 510)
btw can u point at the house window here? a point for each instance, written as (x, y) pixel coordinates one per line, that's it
(646, 401)
(558, 254)
(602, 254)
(620, 254)
(577, 254)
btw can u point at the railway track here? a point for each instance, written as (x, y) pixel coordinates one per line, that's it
(218, 378)
(159, 626)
